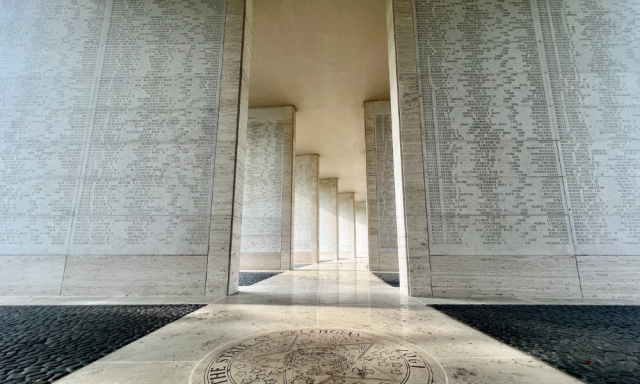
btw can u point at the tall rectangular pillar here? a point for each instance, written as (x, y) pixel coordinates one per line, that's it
(329, 219)
(121, 146)
(305, 245)
(381, 204)
(267, 206)
(411, 207)
(362, 238)
(347, 225)
(223, 264)
(529, 165)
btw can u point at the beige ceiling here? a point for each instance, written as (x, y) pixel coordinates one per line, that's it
(326, 57)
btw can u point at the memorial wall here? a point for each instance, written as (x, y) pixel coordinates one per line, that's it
(328, 231)
(347, 225)
(306, 207)
(108, 138)
(267, 204)
(362, 238)
(529, 115)
(381, 207)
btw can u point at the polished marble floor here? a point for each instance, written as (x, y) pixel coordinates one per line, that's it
(342, 297)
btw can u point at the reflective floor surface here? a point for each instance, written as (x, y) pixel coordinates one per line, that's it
(326, 323)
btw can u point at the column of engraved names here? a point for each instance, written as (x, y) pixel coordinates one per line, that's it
(262, 202)
(387, 229)
(147, 173)
(491, 164)
(593, 54)
(48, 59)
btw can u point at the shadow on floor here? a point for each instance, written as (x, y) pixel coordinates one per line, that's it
(250, 278)
(393, 279)
(41, 344)
(596, 344)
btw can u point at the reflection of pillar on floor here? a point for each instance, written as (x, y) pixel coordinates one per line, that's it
(305, 243)
(346, 214)
(381, 204)
(362, 247)
(328, 196)
(266, 215)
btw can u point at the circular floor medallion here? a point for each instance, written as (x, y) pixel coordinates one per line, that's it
(318, 356)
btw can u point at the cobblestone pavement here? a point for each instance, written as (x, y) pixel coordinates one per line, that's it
(41, 344)
(250, 278)
(597, 344)
(393, 279)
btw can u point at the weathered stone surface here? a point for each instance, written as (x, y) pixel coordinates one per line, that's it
(505, 276)
(134, 276)
(609, 277)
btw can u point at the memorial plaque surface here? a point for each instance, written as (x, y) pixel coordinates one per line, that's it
(33, 235)
(362, 244)
(500, 235)
(327, 200)
(43, 126)
(154, 125)
(496, 196)
(472, 123)
(600, 123)
(135, 235)
(108, 125)
(37, 197)
(491, 157)
(385, 182)
(263, 181)
(530, 118)
(347, 225)
(609, 235)
(305, 172)
(601, 158)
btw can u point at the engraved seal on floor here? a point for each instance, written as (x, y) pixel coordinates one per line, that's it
(318, 356)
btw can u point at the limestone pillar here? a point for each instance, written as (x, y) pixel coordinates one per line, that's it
(362, 240)
(381, 203)
(122, 152)
(328, 219)
(228, 179)
(267, 206)
(346, 222)
(305, 245)
(493, 162)
(408, 172)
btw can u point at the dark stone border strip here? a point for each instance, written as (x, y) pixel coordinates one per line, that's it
(42, 344)
(393, 279)
(250, 278)
(596, 344)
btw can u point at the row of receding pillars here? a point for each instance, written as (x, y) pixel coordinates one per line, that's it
(291, 216)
